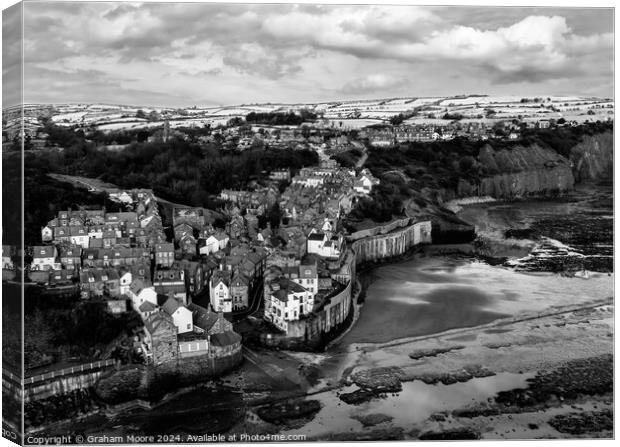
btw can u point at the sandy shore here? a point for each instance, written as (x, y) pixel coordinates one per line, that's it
(513, 350)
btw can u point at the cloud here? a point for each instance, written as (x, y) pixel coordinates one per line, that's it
(254, 59)
(311, 50)
(11, 56)
(372, 83)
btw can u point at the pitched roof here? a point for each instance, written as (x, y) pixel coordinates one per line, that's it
(94, 242)
(220, 276)
(147, 306)
(240, 280)
(316, 237)
(43, 251)
(280, 295)
(164, 247)
(71, 252)
(136, 285)
(202, 317)
(171, 305)
(225, 339)
(78, 231)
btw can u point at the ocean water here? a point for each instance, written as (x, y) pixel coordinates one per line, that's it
(427, 295)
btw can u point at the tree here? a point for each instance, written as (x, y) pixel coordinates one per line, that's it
(466, 163)
(154, 116)
(141, 114)
(236, 121)
(305, 132)
(274, 215)
(397, 119)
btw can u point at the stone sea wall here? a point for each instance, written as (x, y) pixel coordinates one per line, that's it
(66, 380)
(187, 369)
(391, 244)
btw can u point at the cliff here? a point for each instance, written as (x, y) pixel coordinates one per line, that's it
(592, 158)
(520, 172)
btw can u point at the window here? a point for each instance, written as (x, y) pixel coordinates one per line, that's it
(189, 326)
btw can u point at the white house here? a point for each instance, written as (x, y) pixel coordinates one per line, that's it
(122, 197)
(287, 302)
(313, 180)
(44, 257)
(126, 278)
(214, 243)
(222, 239)
(7, 262)
(47, 234)
(211, 245)
(139, 294)
(219, 290)
(325, 244)
(308, 278)
(180, 314)
(79, 236)
(95, 232)
(364, 183)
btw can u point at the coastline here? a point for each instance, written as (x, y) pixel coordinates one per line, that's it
(526, 346)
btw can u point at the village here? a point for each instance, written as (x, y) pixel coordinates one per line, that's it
(188, 289)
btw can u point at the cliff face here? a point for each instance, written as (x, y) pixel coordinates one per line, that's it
(592, 159)
(521, 172)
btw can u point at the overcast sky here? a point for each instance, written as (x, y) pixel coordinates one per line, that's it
(216, 54)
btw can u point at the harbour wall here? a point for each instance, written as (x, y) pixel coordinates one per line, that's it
(390, 244)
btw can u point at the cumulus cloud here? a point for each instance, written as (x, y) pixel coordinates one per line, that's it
(372, 83)
(304, 47)
(11, 56)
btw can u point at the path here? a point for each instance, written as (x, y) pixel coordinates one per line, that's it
(362, 160)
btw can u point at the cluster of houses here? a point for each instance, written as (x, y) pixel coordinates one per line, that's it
(389, 136)
(306, 253)
(175, 328)
(124, 260)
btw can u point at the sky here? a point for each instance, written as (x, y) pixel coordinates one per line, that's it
(184, 54)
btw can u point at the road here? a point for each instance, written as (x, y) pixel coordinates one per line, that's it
(253, 305)
(362, 160)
